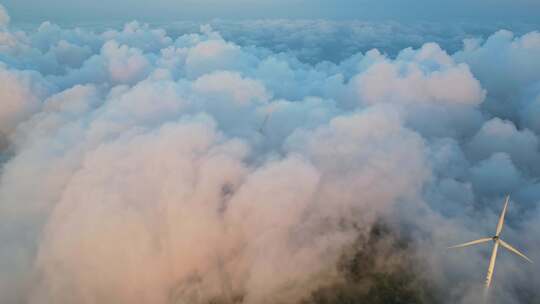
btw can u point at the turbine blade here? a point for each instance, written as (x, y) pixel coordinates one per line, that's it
(514, 250)
(471, 243)
(501, 218)
(491, 267)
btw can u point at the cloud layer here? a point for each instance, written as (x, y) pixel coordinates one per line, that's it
(138, 167)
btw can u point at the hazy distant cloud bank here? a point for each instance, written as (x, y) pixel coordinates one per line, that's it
(335, 40)
(140, 167)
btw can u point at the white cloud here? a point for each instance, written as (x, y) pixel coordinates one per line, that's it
(140, 168)
(4, 16)
(497, 135)
(21, 93)
(438, 96)
(496, 175)
(231, 86)
(506, 66)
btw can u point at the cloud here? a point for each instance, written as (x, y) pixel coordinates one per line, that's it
(4, 16)
(515, 71)
(497, 135)
(232, 86)
(211, 55)
(425, 83)
(21, 92)
(496, 173)
(530, 111)
(315, 40)
(140, 167)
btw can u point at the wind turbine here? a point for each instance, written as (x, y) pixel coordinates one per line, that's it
(496, 242)
(263, 125)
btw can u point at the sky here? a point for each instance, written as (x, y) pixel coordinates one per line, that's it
(160, 10)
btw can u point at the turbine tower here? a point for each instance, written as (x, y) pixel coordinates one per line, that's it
(496, 242)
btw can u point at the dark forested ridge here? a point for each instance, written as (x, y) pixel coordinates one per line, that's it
(378, 269)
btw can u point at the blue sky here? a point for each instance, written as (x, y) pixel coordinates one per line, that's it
(163, 10)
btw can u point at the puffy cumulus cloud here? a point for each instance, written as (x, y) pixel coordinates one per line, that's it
(498, 135)
(69, 54)
(232, 86)
(183, 148)
(115, 64)
(140, 36)
(506, 66)
(426, 83)
(21, 93)
(49, 34)
(530, 110)
(496, 174)
(355, 156)
(215, 54)
(125, 65)
(336, 40)
(4, 16)
(416, 76)
(138, 166)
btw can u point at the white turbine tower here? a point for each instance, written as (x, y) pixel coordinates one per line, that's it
(496, 242)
